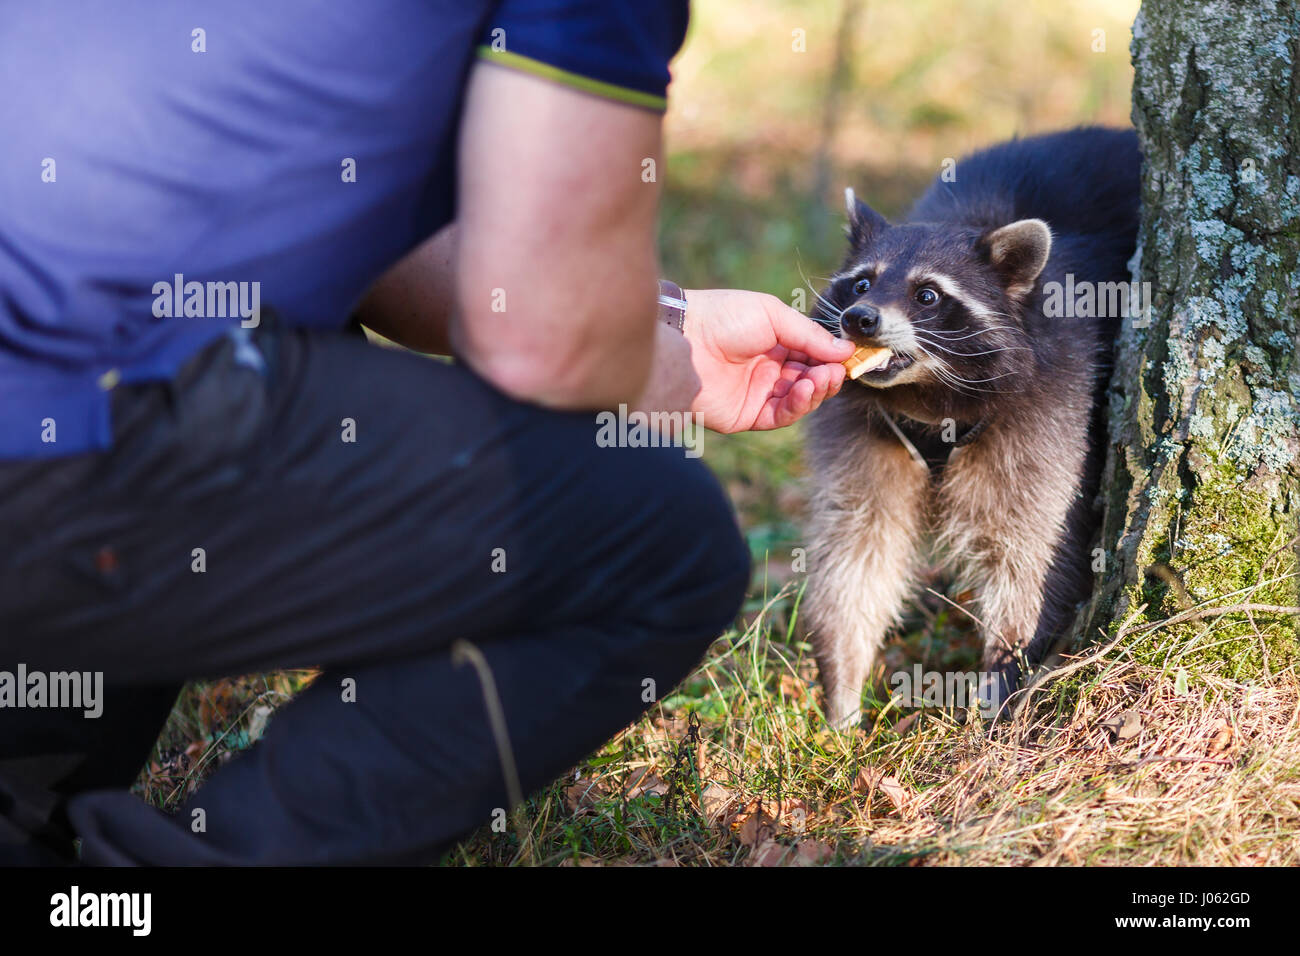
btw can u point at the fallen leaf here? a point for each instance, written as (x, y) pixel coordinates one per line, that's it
(674, 727)
(584, 794)
(793, 815)
(701, 759)
(868, 781)
(1124, 726)
(715, 800)
(895, 791)
(1222, 739)
(646, 784)
(768, 853)
(812, 853)
(907, 723)
(864, 781)
(756, 827)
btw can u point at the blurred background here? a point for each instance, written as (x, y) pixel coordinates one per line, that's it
(777, 105)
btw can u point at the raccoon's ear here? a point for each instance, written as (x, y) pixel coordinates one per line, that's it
(1018, 251)
(864, 222)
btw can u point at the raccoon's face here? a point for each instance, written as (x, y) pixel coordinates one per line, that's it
(947, 302)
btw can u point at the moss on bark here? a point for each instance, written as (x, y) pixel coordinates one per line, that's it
(1202, 487)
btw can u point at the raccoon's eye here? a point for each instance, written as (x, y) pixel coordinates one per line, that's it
(927, 296)
(861, 286)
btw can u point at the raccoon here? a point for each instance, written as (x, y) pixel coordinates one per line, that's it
(981, 432)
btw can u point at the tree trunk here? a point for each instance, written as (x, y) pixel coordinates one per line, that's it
(1202, 486)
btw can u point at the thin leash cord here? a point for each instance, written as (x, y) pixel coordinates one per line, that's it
(907, 443)
(461, 652)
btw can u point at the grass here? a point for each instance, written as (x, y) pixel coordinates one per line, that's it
(1118, 761)
(1138, 753)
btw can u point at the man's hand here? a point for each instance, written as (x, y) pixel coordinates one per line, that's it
(760, 363)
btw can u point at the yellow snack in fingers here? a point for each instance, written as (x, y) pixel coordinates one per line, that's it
(866, 359)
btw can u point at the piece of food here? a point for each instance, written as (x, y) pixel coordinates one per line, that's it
(866, 359)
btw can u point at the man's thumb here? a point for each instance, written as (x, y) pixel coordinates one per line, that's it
(801, 334)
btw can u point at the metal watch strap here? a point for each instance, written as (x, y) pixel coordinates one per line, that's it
(672, 305)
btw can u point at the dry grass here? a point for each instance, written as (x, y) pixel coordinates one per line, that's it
(1112, 761)
(1209, 778)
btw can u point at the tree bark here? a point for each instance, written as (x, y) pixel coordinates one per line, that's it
(1202, 488)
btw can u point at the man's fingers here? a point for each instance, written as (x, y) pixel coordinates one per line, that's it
(791, 371)
(801, 334)
(795, 395)
(798, 402)
(834, 376)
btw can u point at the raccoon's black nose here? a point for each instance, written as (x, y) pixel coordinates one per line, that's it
(860, 319)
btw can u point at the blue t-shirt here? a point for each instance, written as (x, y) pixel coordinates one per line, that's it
(167, 171)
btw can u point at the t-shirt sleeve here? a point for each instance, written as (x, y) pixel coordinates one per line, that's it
(618, 49)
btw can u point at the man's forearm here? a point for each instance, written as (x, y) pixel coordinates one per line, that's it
(411, 304)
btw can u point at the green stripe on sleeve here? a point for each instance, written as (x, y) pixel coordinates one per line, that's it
(547, 72)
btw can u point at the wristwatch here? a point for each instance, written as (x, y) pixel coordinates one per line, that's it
(672, 305)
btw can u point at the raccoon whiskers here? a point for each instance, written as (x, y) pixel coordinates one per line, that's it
(830, 324)
(832, 313)
(957, 385)
(1004, 348)
(826, 303)
(960, 384)
(991, 378)
(951, 336)
(832, 321)
(946, 374)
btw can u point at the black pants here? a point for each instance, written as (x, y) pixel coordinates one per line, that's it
(360, 510)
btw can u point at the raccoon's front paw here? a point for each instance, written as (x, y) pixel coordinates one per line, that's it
(999, 679)
(844, 708)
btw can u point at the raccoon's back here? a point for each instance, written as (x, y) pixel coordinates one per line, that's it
(1080, 181)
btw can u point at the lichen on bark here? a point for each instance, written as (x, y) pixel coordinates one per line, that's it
(1202, 487)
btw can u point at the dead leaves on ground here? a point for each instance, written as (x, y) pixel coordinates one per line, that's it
(1211, 744)
(775, 832)
(1124, 726)
(871, 782)
(1222, 739)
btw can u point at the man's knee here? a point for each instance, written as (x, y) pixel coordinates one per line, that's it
(640, 535)
(699, 559)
